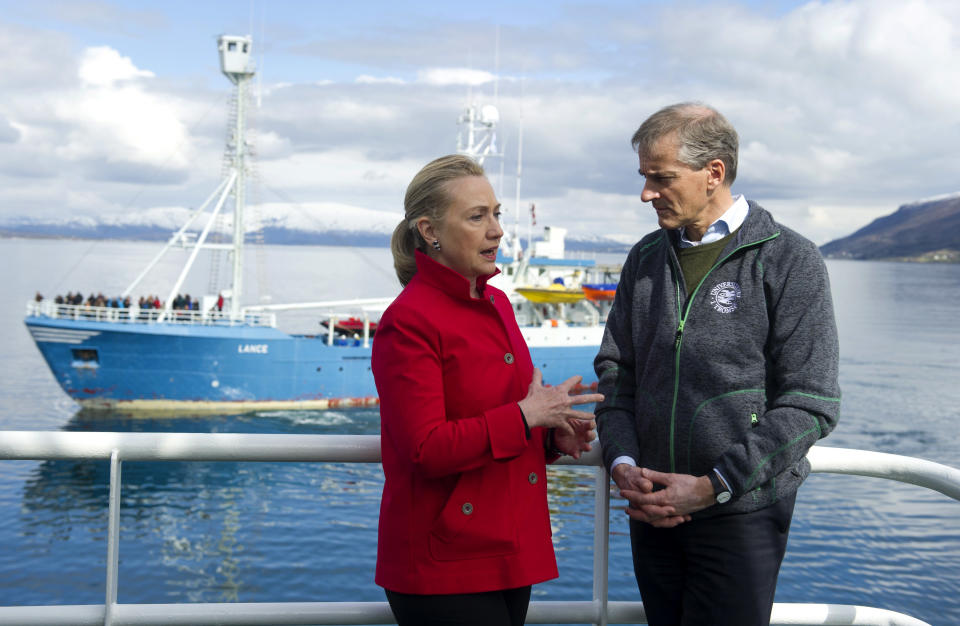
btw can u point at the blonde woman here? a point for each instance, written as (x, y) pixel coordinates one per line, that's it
(466, 424)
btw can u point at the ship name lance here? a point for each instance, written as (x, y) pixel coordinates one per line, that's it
(255, 348)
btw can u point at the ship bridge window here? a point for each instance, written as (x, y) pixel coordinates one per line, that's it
(231, 46)
(85, 357)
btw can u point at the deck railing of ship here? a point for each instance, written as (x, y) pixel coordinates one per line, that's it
(119, 447)
(136, 315)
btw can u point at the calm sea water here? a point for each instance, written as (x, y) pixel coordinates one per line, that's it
(274, 532)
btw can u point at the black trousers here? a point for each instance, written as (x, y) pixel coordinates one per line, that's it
(717, 571)
(491, 608)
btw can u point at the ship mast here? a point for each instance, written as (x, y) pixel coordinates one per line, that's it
(236, 64)
(477, 139)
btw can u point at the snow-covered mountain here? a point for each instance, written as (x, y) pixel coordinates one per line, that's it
(280, 223)
(320, 223)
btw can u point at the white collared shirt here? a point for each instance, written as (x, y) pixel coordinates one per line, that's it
(730, 221)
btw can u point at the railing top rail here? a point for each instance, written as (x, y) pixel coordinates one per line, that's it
(276, 613)
(365, 304)
(23, 444)
(136, 315)
(904, 469)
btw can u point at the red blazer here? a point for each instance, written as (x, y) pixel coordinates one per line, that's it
(464, 505)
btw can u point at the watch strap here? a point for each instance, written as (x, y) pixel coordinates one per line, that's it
(718, 486)
(720, 489)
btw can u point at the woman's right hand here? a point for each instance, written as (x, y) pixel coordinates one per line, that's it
(550, 407)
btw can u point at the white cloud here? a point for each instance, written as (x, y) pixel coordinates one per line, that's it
(845, 108)
(622, 217)
(823, 222)
(454, 76)
(270, 145)
(837, 103)
(117, 122)
(102, 66)
(901, 49)
(10, 132)
(357, 109)
(375, 80)
(306, 177)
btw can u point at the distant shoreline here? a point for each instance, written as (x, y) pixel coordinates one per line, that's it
(283, 237)
(937, 257)
(320, 241)
(293, 238)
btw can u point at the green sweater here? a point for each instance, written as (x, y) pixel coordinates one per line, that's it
(696, 261)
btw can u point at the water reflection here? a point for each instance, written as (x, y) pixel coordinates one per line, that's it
(208, 531)
(871, 542)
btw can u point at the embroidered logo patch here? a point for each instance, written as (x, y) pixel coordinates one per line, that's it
(724, 297)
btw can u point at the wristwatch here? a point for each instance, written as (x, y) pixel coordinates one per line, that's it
(720, 489)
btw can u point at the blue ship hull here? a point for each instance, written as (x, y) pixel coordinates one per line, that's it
(159, 366)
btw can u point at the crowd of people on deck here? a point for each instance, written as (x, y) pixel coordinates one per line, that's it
(94, 300)
(180, 303)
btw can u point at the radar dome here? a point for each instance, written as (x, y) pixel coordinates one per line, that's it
(489, 114)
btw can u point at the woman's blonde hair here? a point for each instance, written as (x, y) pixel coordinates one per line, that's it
(427, 196)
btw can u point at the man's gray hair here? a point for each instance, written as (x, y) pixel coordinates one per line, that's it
(702, 132)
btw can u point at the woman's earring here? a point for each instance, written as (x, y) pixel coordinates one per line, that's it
(436, 244)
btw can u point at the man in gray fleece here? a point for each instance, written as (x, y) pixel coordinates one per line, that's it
(719, 368)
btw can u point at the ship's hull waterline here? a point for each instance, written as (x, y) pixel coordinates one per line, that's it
(170, 368)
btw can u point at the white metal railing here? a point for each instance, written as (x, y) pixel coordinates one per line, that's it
(117, 447)
(136, 315)
(334, 312)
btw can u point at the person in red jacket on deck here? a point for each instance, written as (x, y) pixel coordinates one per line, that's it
(466, 423)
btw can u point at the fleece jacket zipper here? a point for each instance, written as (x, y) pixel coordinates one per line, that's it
(682, 316)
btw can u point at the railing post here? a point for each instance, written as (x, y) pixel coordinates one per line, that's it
(113, 538)
(601, 542)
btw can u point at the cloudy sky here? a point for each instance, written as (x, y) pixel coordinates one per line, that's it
(846, 109)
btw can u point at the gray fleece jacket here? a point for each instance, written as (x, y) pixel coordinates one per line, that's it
(740, 375)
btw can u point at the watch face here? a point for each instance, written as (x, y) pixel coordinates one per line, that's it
(723, 496)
